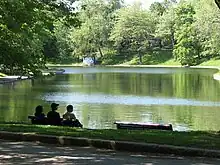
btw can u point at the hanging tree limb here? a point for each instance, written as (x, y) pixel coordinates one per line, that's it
(217, 3)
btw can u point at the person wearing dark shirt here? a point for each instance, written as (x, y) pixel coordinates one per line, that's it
(39, 115)
(53, 117)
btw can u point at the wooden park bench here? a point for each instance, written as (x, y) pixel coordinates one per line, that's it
(35, 121)
(62, 122)
(142, 126)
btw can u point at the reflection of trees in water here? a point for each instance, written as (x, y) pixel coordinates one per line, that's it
(104, 115)
(15, 100)
(197, 118)
(193, 86)
(18, 100)
(190, 85)
(93, 118)
(196, 86)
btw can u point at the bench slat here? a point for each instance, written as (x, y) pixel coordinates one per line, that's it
(142, 126)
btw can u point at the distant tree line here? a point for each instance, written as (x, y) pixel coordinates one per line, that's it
(34, 32)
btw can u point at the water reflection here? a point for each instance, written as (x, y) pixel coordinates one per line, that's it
(77, 97)
(187, 98)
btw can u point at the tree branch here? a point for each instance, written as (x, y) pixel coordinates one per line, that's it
(217, 3)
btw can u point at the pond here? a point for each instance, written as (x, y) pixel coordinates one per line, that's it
(187, 98)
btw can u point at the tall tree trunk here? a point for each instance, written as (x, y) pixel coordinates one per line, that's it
(140, 57)
(94, 59)
(100, 51)
(172, 38)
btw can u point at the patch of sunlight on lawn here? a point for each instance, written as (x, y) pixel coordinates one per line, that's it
(212, 62)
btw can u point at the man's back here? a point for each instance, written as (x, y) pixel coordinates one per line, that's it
(53, 118)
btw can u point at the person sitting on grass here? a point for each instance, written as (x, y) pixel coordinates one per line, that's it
(69, 118)
(39, 115)
(53, 117)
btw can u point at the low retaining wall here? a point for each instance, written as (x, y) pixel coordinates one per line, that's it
(109, 144)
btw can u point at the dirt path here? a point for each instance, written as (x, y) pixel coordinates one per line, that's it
(35, 153)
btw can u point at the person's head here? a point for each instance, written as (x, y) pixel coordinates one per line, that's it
(69, 108)
(39, 109)
(54, 106)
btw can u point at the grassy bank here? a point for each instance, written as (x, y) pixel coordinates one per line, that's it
(211, 62)
(63, 65)
(160, 57)
(209, 140)
(170, 62)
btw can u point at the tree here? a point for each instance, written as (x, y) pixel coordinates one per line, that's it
(186, 51)
(169, 3)
(165, 27)
(97, 20)
(157, 8)
(19, 42)
(187, 46)
(208, 27)
(133, 28)
(24, 26)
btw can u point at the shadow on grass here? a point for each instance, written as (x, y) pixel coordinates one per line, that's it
(153, 57)
(208, 140)
(157, 57)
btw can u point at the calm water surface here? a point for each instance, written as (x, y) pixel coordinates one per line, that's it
(187, 98)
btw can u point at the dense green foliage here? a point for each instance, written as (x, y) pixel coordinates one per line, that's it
(26, 30)
(131, 34)
(185, 49)
(34, 32)
(198, 139)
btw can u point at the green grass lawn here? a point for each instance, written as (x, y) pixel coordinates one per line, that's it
(199, 139)
(170, 62)
(153, 58)
(212, 62)
(64, 65)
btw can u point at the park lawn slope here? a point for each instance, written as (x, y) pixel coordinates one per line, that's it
(158, 59)
(211, 62)
(205, 140)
